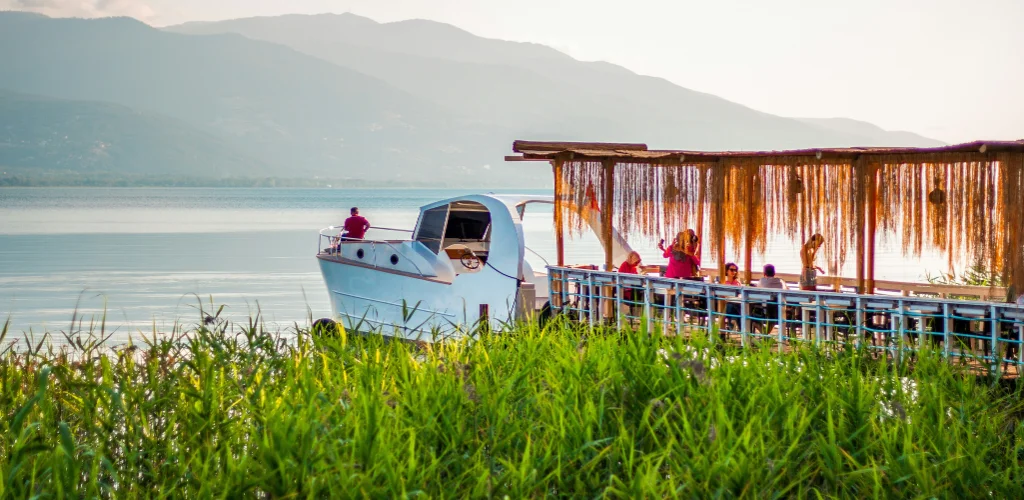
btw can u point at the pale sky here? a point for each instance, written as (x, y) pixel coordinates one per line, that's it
(949, 69)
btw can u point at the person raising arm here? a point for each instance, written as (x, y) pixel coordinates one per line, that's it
(683, 262)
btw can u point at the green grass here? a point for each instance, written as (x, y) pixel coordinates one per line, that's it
(562, 412)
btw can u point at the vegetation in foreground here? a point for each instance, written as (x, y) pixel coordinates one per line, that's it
(235, 411)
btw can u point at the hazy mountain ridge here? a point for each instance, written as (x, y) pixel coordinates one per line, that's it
(303, 114)
(91, 138)
(875, 134)
(534, 90)
(345, 97)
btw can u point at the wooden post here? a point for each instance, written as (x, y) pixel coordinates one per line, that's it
(949, 219)
(720, 176)
(556, 166)
(860, 178)
(607, 205)
(485, 317)
(872, 227)
(721, 253)
(748, 238)
(701, 200)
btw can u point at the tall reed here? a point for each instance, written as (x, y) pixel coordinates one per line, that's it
(236, 411)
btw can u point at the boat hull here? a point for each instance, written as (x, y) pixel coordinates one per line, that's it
(369, 299)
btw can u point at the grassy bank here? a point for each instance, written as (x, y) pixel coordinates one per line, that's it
(527, 414)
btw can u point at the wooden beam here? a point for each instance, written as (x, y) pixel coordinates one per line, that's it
(523, 158)
(872, 223)
(520, 146)
(556, 167)
(607, 205)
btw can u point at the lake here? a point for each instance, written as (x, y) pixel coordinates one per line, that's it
(146, 258)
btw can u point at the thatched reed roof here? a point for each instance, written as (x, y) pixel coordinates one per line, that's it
(639, 153)
(965, 201)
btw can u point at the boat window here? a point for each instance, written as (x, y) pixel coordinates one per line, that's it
(430, 230)
(467, 225)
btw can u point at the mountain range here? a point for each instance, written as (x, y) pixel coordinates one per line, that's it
(342, 97)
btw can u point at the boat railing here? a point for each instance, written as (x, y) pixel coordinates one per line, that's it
(982, 332)
(331, 241)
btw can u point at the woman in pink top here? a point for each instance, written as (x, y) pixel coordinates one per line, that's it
(683, 262)
(732, 272)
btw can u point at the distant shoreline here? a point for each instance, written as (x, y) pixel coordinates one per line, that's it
(234, 182)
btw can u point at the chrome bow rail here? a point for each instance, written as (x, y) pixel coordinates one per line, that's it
(985, 332)
(330, 243)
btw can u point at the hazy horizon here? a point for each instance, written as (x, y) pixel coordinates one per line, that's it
(877, 61)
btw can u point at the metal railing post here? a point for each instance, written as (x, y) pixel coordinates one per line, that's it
(1020, 346)
(817, 319)
(665, 307)
(551, 282)
(901, 320)
(563, 290)
(947, 325)
(618, 301)
(648, 292)
(677, 309)
(781, 317)
(709, 297)
(591, 299)
(744, 318)
(859, 318)
(921, 333)
(994, 324)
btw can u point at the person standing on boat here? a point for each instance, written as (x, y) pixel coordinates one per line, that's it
(683, 260)
(355, 226)
(808, 253)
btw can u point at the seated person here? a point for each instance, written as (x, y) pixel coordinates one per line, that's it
(732, 309)
(631, 265)
(770, 310)
(732, 275)
(770, 280)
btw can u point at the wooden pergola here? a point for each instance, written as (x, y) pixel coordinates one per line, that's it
(965, 200)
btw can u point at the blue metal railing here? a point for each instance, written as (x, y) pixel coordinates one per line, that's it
(985, 332)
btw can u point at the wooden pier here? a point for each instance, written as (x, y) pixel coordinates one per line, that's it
(988, 334)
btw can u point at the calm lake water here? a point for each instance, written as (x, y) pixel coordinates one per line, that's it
(145, 258)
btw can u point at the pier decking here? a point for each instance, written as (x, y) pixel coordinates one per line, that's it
(988, 334)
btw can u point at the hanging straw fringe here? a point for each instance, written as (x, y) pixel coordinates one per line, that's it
(966, 206)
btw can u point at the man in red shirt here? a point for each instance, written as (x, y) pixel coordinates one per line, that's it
(356, 225)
